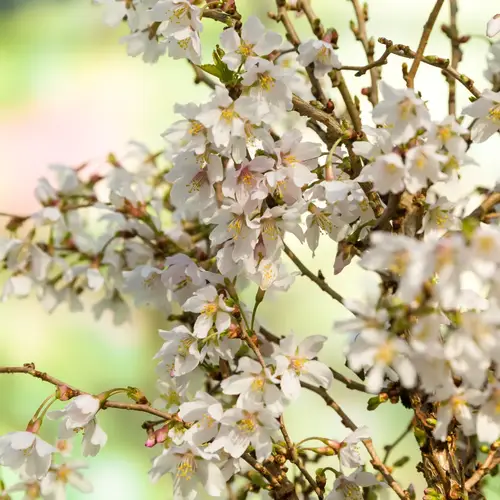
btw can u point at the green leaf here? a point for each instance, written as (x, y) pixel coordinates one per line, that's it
(211, 69)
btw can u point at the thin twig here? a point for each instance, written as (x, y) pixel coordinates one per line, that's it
(292, 36)
(294, 457)
(361, 35)
(347, 422)
(306, 272)
(456, 56)
(348, 382)
(336, 75)
(390, 448)
(305, 109)
(410, 79)
(492, 460)
(29, 369)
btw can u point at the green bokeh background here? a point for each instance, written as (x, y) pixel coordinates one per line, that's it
(69, 93)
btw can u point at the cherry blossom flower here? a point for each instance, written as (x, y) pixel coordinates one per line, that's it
(296, 362)
(456, 405)
(225, 117)
(254, 386)
(493, 27)
(26, 452)
(255, 41)
(179, 354)
(246, 181)
(78, 412)
(402, 111)
(488, 417)
(205, 411)
(212, 311)
(382, 355)
(423, 164)
(350, 487)
(185, 463)
(486, 110)
(321, 54)
(349, 451)
(53, 485)
(241, 427)
(268, 83)
(388, 173)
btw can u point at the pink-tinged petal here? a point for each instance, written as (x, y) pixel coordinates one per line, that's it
(493, 26)
(236, 384)
(21, 440)
(230, 40)
(80, 483)
(290, 385)
(269, 42)
(483, 129)
(310, 346)
(222, 321)
(365, 479)
(233, 60)
(43, 448)
(202, 325)
(263, 445)
(252, 30)
(249, 365)
(479, 108)
(319, 372)
(444, 416)
(212, 479)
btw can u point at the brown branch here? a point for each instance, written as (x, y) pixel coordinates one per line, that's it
(292, 36)
(294, 457)
(456, 55)
(331, 123)
(482, 210)
(390, 448)
(348, 382)
(405, 51)
(336, 75)
(368, 46)
(361, 70)
(492, 460)
(306, 272)
(368, 443)
(410, 79)
(29, 369)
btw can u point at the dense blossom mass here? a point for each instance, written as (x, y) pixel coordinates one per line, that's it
(265, 161)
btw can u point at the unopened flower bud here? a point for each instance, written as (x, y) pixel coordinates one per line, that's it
(161, 434)
(34, 426)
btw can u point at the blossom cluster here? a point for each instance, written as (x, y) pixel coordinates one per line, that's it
(186, 229)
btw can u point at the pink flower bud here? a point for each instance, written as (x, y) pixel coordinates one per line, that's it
(34, 426)
(161, 434)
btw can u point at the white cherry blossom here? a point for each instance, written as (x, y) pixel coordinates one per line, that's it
(486, 110)
(402, 111)
(26, 452)
(78, 412)
(255, 41)
(189, 465)
(295, 362)
(321, 54)
(241, 427)
(212, 310)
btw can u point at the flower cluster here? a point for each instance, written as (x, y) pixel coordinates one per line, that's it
(186, 229)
